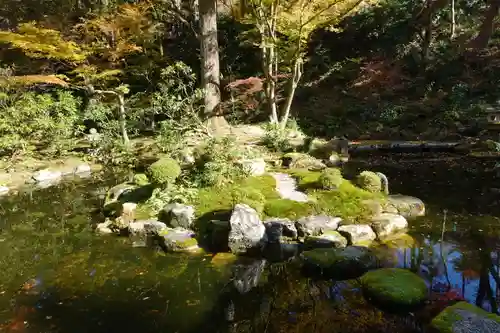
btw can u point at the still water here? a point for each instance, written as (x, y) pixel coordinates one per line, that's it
(56, 276)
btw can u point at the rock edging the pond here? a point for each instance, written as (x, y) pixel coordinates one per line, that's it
(49, 177)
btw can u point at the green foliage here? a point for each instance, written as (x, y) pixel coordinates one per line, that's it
(163, 196)
(180, 101)
(276, 138)
(217, 164)
(37, 42)
(164, 172)
(369, 181)
(44, 119)
(140, 179)
(330, 179)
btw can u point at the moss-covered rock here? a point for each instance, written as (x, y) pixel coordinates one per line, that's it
(330, 179)
(340, 263)
(301, 161)
(395, 288)
(369, 181)
(326, 240)
(465, 318)
(164, 171)
(178, 240)
(140, 179)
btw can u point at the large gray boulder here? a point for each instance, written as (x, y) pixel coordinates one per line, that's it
(247, 232)
(179, 215)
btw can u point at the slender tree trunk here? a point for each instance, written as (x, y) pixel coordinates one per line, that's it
(297, 74)
(453, 23)
(483, 37)
(210, 64)
(123, 119)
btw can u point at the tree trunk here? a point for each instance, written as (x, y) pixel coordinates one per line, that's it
(210, 64)
(483, 37)
(297, 74)
(453, 23)
(123, 119)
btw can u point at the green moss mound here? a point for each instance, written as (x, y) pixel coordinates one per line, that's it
(448, 318)
(369, 181)
(140, 179)
(330, 179)
(286, 208)
(394, 287)
(254, 191)
(164, 171)
(345, 202)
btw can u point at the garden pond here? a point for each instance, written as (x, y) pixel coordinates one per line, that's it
(56, 275)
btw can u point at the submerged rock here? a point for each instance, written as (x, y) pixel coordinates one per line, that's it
(342, 263)
(178, 240)
(397, 288)
(142, 232)
(405, 205)
(4, 190)
(328, 239)
(466, 318)
(117, 191)
(316, 225)
(247, 232)
(179, 215)
(247, 277)
(277, 228)
(46, 178)
(358, 234)
(104, 228)
(82, 170)
(387, 224)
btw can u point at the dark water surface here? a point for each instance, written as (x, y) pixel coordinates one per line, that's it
(56, 276)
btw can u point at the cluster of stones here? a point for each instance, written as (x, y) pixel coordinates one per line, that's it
(46, 177)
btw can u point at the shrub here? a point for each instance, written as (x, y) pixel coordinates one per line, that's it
(30, 120)
(140, 179)
(276, 139)
(330, 179)
(216, 163)
(164, 171)
(369, 181)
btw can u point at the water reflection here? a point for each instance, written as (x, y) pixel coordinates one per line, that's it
(56, 276)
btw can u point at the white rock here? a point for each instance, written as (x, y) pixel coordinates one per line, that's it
(4, 190)
(47, 176)
(82, 169)
(246, 230)
(256, 166)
